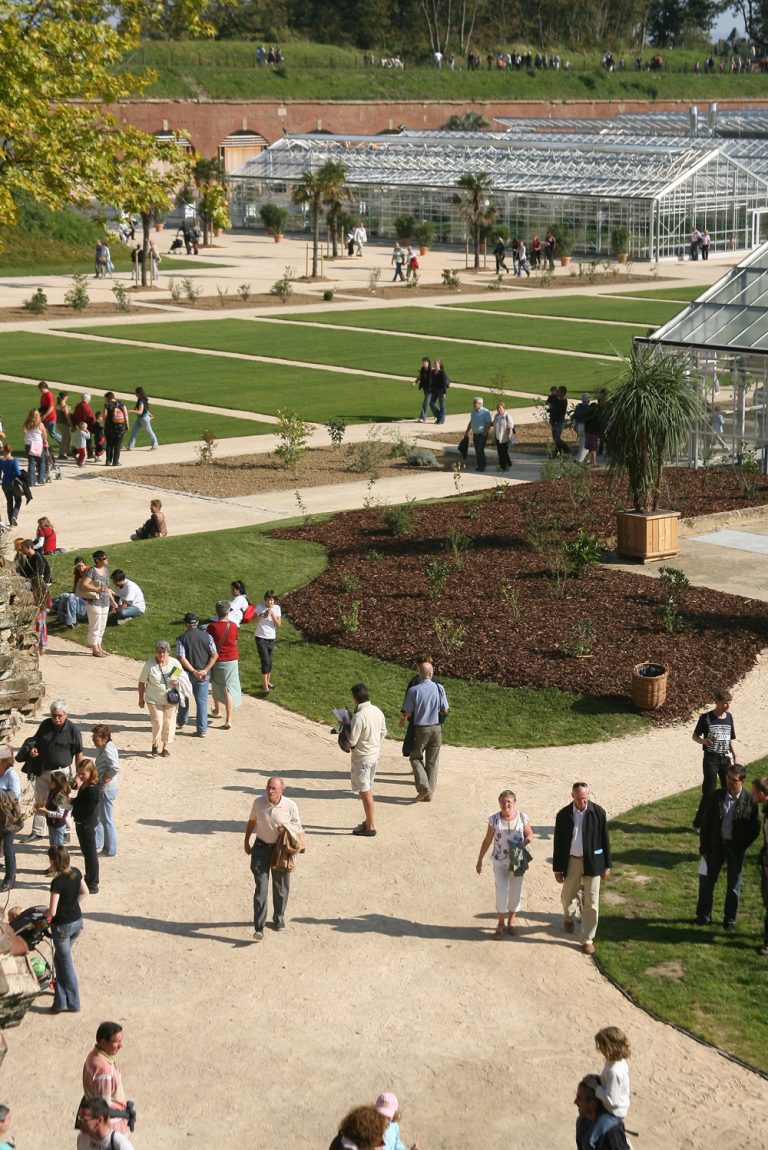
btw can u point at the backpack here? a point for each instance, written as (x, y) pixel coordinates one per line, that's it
(117, 415)
(11, 818)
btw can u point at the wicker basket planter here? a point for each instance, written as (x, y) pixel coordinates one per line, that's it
(649, 685)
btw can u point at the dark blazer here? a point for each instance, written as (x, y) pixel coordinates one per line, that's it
(594, 834)
(746, 823)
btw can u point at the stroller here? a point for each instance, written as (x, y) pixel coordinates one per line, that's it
(52, 469)
(33, 927)
(177, 244)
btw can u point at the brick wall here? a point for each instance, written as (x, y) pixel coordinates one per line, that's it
(208, 123)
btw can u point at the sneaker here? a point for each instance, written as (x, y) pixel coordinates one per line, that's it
(200, 734)
(730, 927)
(364, 832)
(165, 753)
(258, 936)
(588, 947)
(700, 921)
(278, 924)
(14, 521)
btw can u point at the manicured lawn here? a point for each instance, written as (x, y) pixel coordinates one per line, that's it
(504, 329)
(233, 384)
(699, 978)
(312, 679)
(480, 367)
(686, 294)
(171, 424)
(582, 307)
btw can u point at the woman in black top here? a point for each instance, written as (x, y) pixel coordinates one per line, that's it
(85, 812)
(66, 919)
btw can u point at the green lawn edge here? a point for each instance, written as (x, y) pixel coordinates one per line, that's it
(700, 979)
(313, 679)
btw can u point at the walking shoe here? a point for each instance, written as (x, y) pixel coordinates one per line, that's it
(730, 927)
(200, 734)
(165, 753)
(6, 885)
(421, 796)
(568, 925)
(258, 936)
(364, 832)
(94, 888)
(278, 924)
(588, 947)
(154, 752)
(699, 921)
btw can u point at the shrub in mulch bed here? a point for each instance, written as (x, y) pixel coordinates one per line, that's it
(501, 613)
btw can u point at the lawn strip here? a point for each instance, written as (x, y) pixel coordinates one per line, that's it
(313, 678)
(533, 372)
(581, 307)
(699, 978)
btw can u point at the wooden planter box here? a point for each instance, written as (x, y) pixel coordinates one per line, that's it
(647, 535)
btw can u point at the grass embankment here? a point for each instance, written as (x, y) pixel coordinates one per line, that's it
(478, 366)
(684, 294)
(227, 69)
(179, 575)
(544, 334)
(711, 983)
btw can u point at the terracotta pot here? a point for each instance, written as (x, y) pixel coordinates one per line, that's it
(564, 261)
(647, 535)
(158, 227)
(277, 237)
(622, 257)
(217, 231)
(423, 249)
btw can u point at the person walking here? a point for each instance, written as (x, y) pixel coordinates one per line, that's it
(225, 673)
(424, 383)
(367, 731)
(84, 413)
(728, 828)
(10, 795)
(268, 620)
(68, 890)
(438, 391)
(760, 795)
(398, 259)
(581, 858)
(509, 830)
(63, 424)
(95, 1129)
(272, 817)
(85, 814)
(10, 472)
(499, 254)
(426, 703)
(143, 421)
(35, 443)
(102, 1077)
(55, 745)
(480, 423)
(504, 435)
(196, 651)
(115, 427)
(159, 693)
(107, 770)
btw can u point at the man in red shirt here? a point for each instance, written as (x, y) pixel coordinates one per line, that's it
(84, 413)
(47, 411)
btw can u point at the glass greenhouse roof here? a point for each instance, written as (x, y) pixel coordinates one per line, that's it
(731, 316)
(751, 123)
(556, 163)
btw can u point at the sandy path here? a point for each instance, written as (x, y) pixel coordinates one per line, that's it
(386, 977)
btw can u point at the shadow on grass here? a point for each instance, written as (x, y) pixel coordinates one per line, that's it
(653, 857)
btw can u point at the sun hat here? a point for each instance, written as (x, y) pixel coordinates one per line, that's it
(387, 1105)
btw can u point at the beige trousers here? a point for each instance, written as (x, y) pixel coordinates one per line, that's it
(575, 880)
(163, 720)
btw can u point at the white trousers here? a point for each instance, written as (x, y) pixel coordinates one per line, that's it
(97, 622)
(509, 888)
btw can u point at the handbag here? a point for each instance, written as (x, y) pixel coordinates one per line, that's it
(172, 695)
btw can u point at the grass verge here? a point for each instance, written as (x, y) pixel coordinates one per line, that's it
(312, 679)
(686, 294)
(172, 425)
(700, 978)
(582, 307)
(545, 333)
(532, 372)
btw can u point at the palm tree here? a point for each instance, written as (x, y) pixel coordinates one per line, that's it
(336, 195)
(208, 175)
(474, 205)
(657, 401)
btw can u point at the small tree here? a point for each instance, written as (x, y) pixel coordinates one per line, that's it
(293, 434)
(475, 206)
(209, 176)
(308, 193)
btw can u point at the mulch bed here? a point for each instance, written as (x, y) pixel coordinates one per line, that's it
(723, 634)
(471, 282)
(61, 311)
(232, 302)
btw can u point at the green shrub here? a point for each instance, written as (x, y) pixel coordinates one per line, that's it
(420, 457)
(328, 295)
(77, 297)
(293, 433)
(244, 291)
(399, 519)
(37, 303)
(283, 289)
(122, 299)
(336, 429)
(437, 576)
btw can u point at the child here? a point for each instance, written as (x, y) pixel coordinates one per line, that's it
(388, 1105)
(45, 539)
(79, 440)
(612, 1087)
(56, 807)
(98, 435)
(41, 626)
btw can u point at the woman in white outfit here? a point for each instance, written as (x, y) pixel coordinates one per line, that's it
(507, 828)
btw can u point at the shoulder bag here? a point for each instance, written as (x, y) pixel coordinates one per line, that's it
(83, 593)
(172, 695)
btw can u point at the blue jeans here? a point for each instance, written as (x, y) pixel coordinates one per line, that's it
(66, 996)
(56, 836)
(479, 442)
(200, 691)
(142, 421)
(106, 832)
(36, 469)
(71, 609)
(734, 863)
(281, 885)
(52, 433)
(129, 612)
(9, 854)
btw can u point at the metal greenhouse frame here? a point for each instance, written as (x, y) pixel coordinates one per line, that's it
(658, 187)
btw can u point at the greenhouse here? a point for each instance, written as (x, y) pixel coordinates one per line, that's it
(658, 187)
(725, 334)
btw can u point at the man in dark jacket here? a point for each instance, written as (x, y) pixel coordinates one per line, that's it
(56, 744)
(730, 824)
(581, 858)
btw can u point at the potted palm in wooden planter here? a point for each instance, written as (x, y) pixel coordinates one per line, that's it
(656, 403)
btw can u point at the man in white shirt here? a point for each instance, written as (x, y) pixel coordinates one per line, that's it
(272, 815)
(129, 597)
(95, 1131)
(367, 731)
